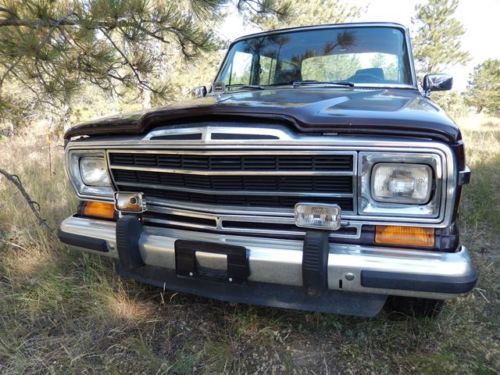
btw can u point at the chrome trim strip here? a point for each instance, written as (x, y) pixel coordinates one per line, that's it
(232, 173)
(312, 145)
(231, 210)
(235, 153)
(220, 219)
(280, 261)
(237, 192)
(179, 223)
(207, 131)
(234, 210)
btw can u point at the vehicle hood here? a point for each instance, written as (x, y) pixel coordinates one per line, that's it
(403, 112)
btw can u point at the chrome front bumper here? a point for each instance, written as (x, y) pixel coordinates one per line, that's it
(351, 268)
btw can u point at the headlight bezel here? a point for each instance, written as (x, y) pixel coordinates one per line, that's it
(369, 206)
(84, 191)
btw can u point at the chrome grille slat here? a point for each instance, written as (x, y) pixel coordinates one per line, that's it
(232, 172)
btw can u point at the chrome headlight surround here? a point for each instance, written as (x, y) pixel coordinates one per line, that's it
(370, 206)
(84, 191)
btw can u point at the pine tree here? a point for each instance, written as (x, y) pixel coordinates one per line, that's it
(483, 91)
(50, 50)
(436, 44)
(304, 13)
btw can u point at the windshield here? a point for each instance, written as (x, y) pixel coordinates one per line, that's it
(363, 56)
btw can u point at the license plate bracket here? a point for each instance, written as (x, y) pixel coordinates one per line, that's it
(238, 268)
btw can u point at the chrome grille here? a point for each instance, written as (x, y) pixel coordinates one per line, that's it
(271, 180)
(258, 189)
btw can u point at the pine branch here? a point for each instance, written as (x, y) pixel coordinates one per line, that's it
(10, 12)
(8, 70)
(33, 205)
(143, 83)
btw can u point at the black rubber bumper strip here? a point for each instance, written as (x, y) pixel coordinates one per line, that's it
(419, 283)
(264, 294)
(315, 260)
(91, 243)
(128, 232)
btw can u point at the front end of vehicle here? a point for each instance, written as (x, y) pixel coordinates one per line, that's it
(265, 214)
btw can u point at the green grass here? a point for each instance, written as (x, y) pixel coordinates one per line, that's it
(67, 312)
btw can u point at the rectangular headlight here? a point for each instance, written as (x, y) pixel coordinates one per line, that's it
(401, 183)
(88, 172)
(94, 171)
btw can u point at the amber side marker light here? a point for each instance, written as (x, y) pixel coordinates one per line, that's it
(404, 236)
(98, 210)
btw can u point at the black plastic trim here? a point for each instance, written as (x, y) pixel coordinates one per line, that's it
(237, 258)
(128, 232)
(464, 176)
(91, 243)
(264, 294)
(419, 283)
(315, 260)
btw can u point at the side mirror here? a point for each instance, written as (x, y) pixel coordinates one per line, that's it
(199, 92)
(437, 82)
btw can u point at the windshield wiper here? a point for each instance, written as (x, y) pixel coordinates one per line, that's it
(314, 82)
(245, 87)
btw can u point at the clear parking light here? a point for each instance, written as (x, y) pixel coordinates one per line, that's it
(93, 171)
(317, 216)
(401, 183)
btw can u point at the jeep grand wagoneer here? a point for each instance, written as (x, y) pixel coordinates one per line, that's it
(313, 174)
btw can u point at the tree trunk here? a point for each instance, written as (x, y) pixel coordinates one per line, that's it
(65, 121)
(146, 98)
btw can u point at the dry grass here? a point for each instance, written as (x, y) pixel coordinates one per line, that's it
(66, 312)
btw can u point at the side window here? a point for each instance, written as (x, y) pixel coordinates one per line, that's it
(240, 69)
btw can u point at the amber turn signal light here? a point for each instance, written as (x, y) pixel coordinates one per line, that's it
(404, 236)
(99, 210)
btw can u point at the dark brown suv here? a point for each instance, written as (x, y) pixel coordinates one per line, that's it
(314, 174)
